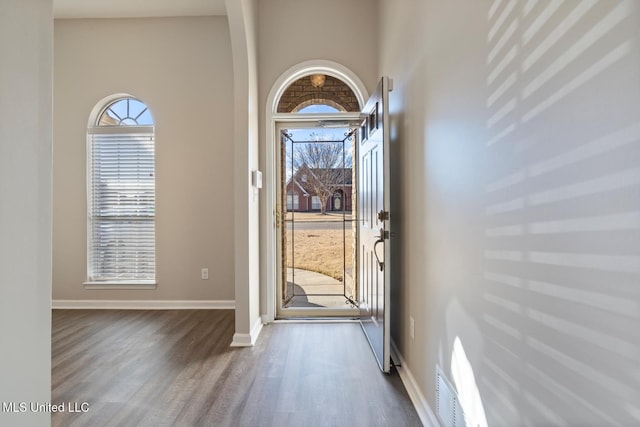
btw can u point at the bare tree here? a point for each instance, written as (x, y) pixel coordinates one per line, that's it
(326, 164)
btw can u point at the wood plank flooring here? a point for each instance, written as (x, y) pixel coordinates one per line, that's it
(175, 368)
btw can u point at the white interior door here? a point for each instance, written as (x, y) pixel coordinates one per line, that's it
(373, 220)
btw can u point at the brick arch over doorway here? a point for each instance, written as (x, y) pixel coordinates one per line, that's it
(334, 92)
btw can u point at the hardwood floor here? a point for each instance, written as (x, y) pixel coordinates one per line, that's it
(175, 368)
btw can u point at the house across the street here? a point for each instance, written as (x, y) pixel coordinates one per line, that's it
(305, 188)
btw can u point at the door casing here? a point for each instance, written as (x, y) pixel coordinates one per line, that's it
(291, 121)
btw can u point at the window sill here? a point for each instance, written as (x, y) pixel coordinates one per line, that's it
(132, 284)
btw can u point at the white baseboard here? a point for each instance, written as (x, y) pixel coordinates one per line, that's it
(144, 304)
(247, 340)
(423, 409)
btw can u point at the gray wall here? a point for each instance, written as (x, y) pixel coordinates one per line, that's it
(294, 31)
(26, 35)
(182, 69)
(243, 27)
(518, 133)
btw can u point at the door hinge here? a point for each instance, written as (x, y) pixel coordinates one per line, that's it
(383, 235)
(383, 216)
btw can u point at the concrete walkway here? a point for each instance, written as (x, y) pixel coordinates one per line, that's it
(307, 284)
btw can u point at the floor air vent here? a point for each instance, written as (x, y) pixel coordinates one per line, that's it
(447, 404)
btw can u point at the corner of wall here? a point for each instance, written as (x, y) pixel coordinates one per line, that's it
(247, 340)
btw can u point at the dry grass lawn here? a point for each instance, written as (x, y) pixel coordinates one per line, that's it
(317, 216)
(321, 251)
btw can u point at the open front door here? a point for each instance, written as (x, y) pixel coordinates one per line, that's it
(373, 220)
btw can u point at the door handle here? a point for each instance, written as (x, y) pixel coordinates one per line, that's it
(375, 248)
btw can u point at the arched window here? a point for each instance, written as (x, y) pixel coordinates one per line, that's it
(121, 194)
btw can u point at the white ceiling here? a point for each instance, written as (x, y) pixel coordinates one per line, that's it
(136, 8)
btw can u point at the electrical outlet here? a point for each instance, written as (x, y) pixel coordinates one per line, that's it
(412, 328)
(204, 274)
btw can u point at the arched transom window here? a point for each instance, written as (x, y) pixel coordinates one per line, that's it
(126, 112)
(121, 194)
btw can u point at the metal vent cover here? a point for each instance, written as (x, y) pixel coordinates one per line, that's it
(448, 407)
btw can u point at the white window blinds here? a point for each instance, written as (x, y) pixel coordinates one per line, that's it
(122, 204)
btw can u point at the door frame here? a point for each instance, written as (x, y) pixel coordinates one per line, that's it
(302, 121)
(268, 232)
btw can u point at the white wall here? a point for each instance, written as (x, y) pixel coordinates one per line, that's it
(26, 35)
(518, 132)
(180, 67)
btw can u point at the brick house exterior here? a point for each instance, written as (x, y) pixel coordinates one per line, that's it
(301, 196)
